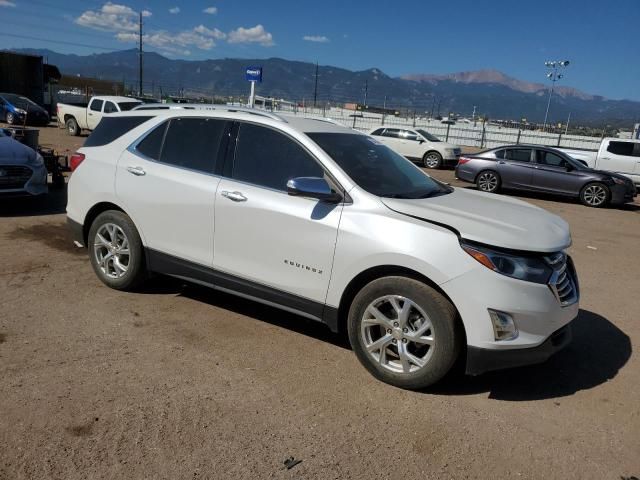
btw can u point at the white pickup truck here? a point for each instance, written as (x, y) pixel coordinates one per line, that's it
(78, 117)
(620, 155)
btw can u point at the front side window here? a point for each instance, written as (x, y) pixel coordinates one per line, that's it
(376, 168)
(378, 132)
(621, 148)
(547, 158)
(409, 135)
(270, 159)
(391, 133)
(428, 136)
(110, 107)
(193, 143)
(518, 154)
(96, 105)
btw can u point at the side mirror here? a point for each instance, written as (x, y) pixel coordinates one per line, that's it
(568, 167)
(312, 187)
(421, 141)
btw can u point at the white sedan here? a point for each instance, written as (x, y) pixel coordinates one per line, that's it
(418, 144)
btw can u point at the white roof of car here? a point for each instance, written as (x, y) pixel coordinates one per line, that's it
(117, 99)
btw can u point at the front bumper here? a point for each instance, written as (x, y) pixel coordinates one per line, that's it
(36, 184)
(623, 193)
(481, 360)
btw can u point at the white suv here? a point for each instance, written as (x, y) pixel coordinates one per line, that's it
(418, 144)
(326, 222)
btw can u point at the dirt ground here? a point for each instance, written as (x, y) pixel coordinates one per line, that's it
(182, 382)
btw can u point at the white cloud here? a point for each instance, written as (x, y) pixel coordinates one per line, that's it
(7, 3)
(255, 34)
(174, 10)
(211, 10)
(215, 33)
(146, 13)
(316, 38)
(111, 17)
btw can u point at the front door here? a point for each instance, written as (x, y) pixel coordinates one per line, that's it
(167, 186)
(621, 157)
(551, 174)
(264, 235)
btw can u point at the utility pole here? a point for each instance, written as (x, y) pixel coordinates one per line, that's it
(315, 89)
(366, 92)
(140, 54)
(566, 128)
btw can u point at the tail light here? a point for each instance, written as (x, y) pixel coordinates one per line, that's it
(463, 160)
(75, 160)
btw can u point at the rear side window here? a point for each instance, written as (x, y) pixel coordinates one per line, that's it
(391, 132)
(110, 107)
(518, 154)
(621, 148)
(96, 105)
(270, 159)
(111, 128)
(193, 143)
(151, 145)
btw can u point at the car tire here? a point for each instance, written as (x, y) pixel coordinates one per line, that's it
(72, 127)
(432, 160)
(488, 181)
(595, 194)
(405, 358)
(9, 118)
(116, 251)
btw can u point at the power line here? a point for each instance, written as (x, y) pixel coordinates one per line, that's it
(61, 42)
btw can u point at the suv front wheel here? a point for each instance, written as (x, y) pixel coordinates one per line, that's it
(404, 332)
(116, 251)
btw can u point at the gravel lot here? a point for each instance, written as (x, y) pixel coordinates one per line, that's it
(182, 382)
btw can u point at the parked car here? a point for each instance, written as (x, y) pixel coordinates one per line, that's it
(78, 117)
(326, 222)
(22, 169)
(614, 155)
(16, 109)
(544, 169)
(418, 144)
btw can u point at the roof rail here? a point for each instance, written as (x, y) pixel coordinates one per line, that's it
(253, 111)
(208, 106)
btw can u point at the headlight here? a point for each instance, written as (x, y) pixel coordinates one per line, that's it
(530, 268)
(36, 161)
(21, 111)
(619, 181)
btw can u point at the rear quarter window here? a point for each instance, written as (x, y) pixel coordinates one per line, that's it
(111, 128)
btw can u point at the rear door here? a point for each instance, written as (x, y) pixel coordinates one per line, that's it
(620, 156)
(167, 184)
(391, 138)
(551, 174)
(515, 167)
(409, 144)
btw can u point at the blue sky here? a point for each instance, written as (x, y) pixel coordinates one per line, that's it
(599, 38)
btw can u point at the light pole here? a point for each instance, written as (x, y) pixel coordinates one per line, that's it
(554, 76)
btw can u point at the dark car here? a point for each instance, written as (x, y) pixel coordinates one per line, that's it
(543, 169)
(16, 109)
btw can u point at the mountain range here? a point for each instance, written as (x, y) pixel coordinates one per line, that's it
(493, 93)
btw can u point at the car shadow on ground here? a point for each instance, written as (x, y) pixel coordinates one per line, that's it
(52, 203)
(596, 354)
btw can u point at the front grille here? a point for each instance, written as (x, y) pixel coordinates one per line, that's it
(457, 151)
(14, 176)
(563, 281)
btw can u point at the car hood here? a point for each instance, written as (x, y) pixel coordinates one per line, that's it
(12, 152)
(490, 219)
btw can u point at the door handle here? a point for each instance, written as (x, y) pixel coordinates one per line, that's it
(235, 196)
(137, 171)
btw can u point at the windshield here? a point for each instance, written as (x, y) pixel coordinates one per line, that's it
(376, 168)
(125, 106)
(428, 136)
(19, 102)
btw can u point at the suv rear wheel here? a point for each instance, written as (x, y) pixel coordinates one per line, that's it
(404, 332)
(116, 251)
(72, 127)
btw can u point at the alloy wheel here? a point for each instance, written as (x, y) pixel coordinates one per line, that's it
(595, 195)
(397, 334)
(433, 160)
(111, 250)
(488, 182)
